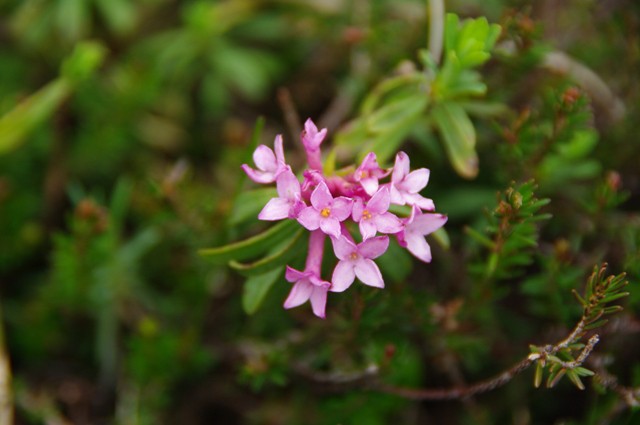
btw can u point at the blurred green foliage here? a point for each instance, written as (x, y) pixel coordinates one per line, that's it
(123, 125)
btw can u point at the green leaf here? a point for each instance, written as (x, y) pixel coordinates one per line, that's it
(581, 145)
(573, 376)
(397, 113)
(279, 258)
(538, 375)
(83, 62)
(452, 23)
(459, 137)
(72, 18)
(396, 263)
(554, 377)
(613, 297)
(249, 203)
(18, 123)
(581, 371)
(253, 246)
(118, 14)
(442, 237)
(256, 288)
(596, 324)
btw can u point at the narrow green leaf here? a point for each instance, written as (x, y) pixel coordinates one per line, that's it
(253, 246)
(492, 36)
(386, 144)
(596, 324)
(459, 137)
(573, 376)
(479, 237)
(452, 23)
(279, 258)
(18, 123)
(555, 377)
(387, 86)
(397, 113)
(579, 298)
(612, 309)
(442, 237)
(249, 203)
(613, 297)
(256, 288)
(581, 371)
(537, 379)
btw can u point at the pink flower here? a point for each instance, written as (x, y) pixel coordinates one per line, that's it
(308, 286)
(269, 164)
(368, 173)
(289, 203)
(357, 261)
(416, 227)
(405, 185)
(311, 139)
(374, 216)
(325, 211)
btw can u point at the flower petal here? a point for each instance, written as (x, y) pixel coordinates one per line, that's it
(418, 246)
(388, 223)
(321, 197)
(343, 276)
(319, 301)
(299, 294)
(374, 247)
(288, 185)
(416, 180)
(309, 217)
(311, 137)
(357, 209)
(400, 168)
(425, 224)
(259, 176)
(343, 247)
(276, 209)
(395, 195)
(265, 159)
(293, 275)
(419, 201)
(379, 202)
(341, 208)
(369, 273)
(330, 226)
(279, 150)
(368, 229)
(370, 185)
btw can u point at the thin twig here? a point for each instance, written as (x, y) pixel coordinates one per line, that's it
(6, 395)
(458, 392)
(436, 28)
(462, 392)
(629, 395)
(291, 116)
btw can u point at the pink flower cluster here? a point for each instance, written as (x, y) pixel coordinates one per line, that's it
(326, 204)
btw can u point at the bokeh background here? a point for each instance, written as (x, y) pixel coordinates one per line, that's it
(123, 125)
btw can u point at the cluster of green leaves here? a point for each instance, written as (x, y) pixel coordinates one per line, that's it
(434, 95)
(512, 232)
(555, 143)
(564, 359)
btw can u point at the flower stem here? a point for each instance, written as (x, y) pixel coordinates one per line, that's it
(316, 251)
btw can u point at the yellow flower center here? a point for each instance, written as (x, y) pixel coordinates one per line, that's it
(366, 215)
(325, 212)
(353, 256)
